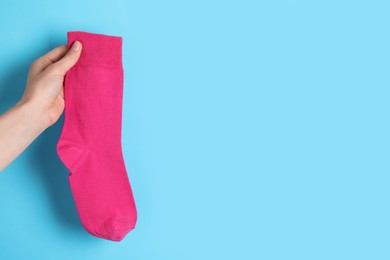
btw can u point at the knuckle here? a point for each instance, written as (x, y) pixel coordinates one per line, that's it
(71, 57)
(34, 64)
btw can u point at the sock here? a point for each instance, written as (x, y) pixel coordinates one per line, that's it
(90, 141)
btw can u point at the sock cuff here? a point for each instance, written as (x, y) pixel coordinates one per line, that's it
(98, 49)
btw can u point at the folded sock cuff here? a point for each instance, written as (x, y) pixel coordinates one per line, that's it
(98, 49)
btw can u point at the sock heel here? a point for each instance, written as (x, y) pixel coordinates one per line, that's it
(71, 154)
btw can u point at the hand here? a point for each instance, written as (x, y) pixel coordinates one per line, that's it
(44, 92)
(41, 105)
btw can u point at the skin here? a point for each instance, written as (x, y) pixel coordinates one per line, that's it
(41, 105)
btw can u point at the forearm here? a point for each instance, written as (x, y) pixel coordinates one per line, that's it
(19, 126)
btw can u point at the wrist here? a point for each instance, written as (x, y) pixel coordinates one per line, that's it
(33, 115)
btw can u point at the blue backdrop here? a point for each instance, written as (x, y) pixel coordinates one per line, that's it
(251, 130)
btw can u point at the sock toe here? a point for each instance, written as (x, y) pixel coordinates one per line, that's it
(117, 228)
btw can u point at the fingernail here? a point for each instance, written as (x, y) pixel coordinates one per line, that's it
(76, 46)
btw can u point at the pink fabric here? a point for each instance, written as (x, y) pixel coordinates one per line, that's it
(90, 141)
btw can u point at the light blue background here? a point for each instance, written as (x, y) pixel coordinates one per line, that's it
(252, 130)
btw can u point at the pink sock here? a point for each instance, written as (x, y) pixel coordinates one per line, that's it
(90, 141)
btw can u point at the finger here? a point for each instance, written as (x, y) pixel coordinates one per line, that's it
(49, 58)
(68, 61)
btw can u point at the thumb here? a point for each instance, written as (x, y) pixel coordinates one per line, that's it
(69, 60)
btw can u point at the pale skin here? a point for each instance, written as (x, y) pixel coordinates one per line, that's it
(41, 105)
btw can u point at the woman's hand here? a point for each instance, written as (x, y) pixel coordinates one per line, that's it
(41, 105)
(44, 91)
